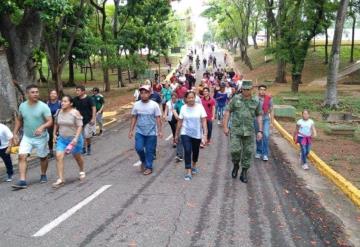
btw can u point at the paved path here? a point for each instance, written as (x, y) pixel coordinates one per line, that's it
(117, 206)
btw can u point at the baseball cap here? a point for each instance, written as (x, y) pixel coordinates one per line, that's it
(145, 87)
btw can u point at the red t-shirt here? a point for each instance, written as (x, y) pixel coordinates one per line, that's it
(181, 91)
(157, 87)
(208, 105)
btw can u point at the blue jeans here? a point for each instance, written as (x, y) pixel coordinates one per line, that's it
(220, 112)
(304, 149)
(191, 147)
(145, 146)
(7, 160)
(262, 146)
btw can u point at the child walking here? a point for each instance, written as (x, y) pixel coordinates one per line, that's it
(304, 132)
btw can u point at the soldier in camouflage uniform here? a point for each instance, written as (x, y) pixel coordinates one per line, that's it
(243, 110)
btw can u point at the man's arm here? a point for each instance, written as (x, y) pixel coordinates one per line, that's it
(48, 123)
(93, 118)
(226, 122)
(259, 135)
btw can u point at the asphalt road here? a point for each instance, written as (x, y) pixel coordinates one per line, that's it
(162, 209)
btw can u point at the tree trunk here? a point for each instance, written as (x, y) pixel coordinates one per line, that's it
(267, 37)
(8, 101)
(129, 74)
(120, 77)
(353, 39)
(22, 38)
(296, 81)
(106, 79)
(331, 86)
(41, 74)
(254, 40)
(91, 71)
(326, 47)
(71, 71)
(281, 72)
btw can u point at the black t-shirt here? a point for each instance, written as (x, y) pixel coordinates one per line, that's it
(84, 106)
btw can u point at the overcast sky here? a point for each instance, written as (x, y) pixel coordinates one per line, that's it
(197, 7)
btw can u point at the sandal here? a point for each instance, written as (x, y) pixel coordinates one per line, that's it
(147, 172)
(58, 183)
(82, 175)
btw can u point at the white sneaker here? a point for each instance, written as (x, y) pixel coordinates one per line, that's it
(257, 156)
(305, 166)
(219, 122)
(265, 158)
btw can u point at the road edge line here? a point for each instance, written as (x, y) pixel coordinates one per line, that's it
(352, 192)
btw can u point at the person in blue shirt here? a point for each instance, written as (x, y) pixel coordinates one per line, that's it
(54, 104)
(221, 98)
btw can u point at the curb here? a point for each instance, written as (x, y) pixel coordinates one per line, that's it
(352, 192)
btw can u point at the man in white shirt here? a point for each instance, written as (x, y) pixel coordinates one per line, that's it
(5, 137)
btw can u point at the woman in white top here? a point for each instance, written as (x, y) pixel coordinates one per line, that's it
(169, 116)
(305, 130)
(191, 126)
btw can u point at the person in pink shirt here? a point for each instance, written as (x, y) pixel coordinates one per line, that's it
(209, 105)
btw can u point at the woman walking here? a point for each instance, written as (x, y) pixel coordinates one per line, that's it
(191, 126)
(68, 125)
(209, 105)
(169, 115)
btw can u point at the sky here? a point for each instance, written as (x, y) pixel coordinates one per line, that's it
(197, 6)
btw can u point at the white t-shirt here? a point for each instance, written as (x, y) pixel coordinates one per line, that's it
(305, 127)
(170, 107)
(191, 117)
(146, 117)
(5, 136)
(173, 86)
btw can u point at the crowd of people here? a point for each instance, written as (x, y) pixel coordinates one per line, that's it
(67, 125)
(53, 128)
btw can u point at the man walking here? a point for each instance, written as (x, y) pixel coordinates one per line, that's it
(262, 146)
(146, 116)
(99, 105)
(85, 105)
(34, 117)
(243, 110)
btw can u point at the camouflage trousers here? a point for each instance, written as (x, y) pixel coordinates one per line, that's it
(242, 150)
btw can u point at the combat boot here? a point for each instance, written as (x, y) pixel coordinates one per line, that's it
(243, 175)
(235, 171)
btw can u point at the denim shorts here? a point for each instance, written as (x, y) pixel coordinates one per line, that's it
(62, 143)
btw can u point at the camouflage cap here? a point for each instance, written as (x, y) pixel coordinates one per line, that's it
(247, 84)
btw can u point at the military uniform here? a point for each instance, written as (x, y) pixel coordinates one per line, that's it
(242, 143)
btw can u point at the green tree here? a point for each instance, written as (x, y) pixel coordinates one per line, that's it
(21, 26)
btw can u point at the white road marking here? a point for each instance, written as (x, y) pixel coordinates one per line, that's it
(137, 163)
(47, 228)
(169, 137)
